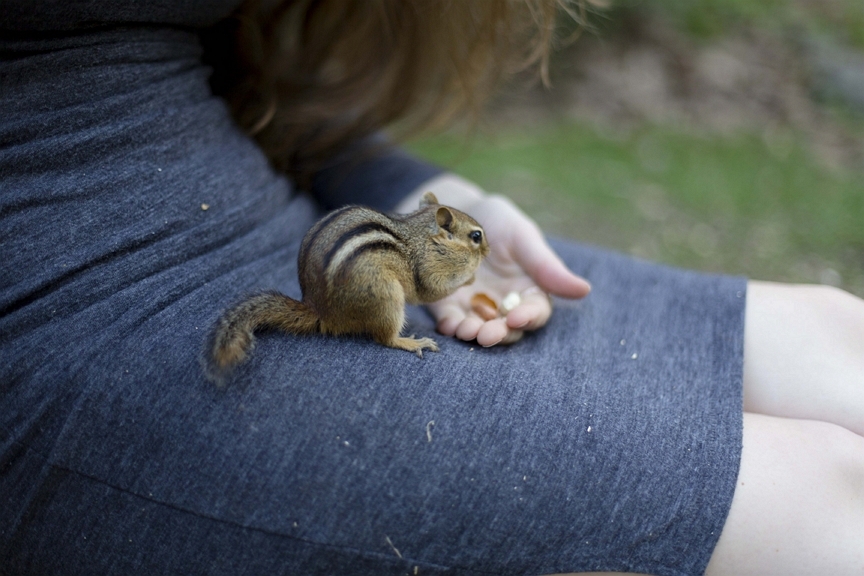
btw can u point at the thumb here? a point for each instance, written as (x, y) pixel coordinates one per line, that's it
(537, 258)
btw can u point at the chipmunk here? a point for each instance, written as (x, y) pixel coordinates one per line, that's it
(358, 268)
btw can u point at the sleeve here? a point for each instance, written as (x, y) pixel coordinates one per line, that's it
(371, 172)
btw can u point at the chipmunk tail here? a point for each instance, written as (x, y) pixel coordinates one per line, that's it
(232, 339)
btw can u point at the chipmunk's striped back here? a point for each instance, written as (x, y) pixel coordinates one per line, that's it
(356, 242)
(334, 245)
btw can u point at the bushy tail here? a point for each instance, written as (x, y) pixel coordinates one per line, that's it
(232, 338)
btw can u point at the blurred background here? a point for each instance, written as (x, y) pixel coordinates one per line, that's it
(720, 135)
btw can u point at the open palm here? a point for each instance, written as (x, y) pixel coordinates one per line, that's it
(519, 261)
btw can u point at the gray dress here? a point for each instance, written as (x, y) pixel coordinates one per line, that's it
(132, 211)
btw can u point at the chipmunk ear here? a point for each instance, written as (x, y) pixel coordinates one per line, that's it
(428, 199)
(444, 217)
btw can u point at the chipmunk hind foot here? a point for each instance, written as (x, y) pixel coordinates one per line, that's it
(411, 344)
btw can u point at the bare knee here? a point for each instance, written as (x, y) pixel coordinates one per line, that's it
(826, 459)
(837, 456)
(799, 503)
(814, 305)
(804, 353)
(844, 310)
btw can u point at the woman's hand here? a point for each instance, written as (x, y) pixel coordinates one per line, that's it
(519, 261)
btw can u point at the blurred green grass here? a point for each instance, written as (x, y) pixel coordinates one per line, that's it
(759, 205)
(706, 19)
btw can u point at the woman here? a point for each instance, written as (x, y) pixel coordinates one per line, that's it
(136, 206)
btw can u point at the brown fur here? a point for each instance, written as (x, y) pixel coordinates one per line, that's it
(358, 269)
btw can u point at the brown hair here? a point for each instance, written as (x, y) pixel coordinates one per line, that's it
(305, 77)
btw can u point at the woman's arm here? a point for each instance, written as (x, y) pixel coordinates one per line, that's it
(371, 172)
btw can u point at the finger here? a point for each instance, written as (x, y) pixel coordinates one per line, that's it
(492, 332)
(531, 314)
(469, 328)
(512, 336)
(546, 269)
(449, 316)
(447, 326)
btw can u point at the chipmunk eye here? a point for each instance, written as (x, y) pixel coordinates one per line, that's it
(476, 236)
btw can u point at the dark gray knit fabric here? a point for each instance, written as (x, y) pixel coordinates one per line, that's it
(132, 211)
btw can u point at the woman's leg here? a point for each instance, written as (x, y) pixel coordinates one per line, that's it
(804, 354)
(798, 507)
(799, 503)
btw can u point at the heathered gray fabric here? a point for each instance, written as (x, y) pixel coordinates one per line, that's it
(609, 440)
